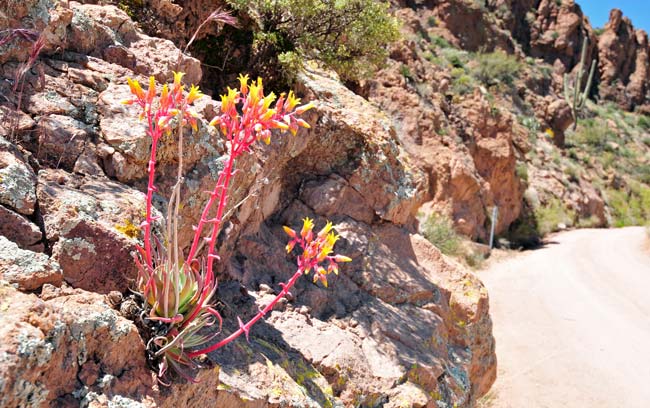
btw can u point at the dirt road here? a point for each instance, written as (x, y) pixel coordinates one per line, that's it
(572, 322)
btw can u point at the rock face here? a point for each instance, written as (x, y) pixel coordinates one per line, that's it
(381, 321)
(467, 149)
(68, 348)
(91, 228)
(558, 31)
(27, 270)
(554, 31)
(623, 62)
(400, 325)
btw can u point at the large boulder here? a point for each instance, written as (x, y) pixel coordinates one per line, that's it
(91, 225)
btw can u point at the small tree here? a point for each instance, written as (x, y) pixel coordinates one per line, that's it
(349, 36)
(576, 98)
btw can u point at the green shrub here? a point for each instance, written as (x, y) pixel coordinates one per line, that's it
(456, 58)
(629, 207)
(521, 170)
(642, 173)
(592, 133)
(550, 216)
(463, 84)
(439, 230)
(643, 122)
(349, 36)
(495, 67)
(406, 72)
(533, 126)
(440, 42)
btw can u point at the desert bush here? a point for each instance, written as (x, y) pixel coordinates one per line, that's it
(521, 171)
(439, 230)
(177, 290)
(551, 215)
(455, 57)
(643, 122)
(439, 41)
(495, 67)
(592, 133)
(406, 72)
(350, 36)
(462, 83)
(629, 206)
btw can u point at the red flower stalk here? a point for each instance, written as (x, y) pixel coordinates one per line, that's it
(178, 292)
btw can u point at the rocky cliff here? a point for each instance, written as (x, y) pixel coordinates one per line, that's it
(432, 133)
(402, 325)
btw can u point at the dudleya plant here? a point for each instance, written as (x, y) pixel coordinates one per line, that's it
(178, 290)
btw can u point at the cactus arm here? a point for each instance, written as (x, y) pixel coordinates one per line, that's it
(567, 89)
(585, 93)
(577, 98)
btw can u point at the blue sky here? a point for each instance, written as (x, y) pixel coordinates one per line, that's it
(598, 11)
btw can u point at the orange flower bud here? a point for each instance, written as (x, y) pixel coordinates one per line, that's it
(302, 123)
(136, 90)
(304, 108)
(151, 92)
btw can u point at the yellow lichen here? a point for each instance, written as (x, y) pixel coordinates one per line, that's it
(129, 229)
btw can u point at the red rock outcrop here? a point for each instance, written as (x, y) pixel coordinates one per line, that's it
(623, 62)
(558, 31)
(467, 148)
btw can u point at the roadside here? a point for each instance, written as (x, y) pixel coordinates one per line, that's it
(572, 322)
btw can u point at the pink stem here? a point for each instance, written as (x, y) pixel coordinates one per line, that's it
(220, 190)
(150, 190)
(246, 327)
(222, 185)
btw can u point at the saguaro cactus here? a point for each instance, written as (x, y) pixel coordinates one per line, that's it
(575, 98)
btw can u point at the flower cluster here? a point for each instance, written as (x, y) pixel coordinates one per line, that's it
(160, 111)
(258, 118)
(316, 249)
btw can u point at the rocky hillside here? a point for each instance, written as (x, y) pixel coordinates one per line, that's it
(468, 114)
(475, 92)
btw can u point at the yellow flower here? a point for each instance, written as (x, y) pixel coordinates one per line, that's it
(289, 231)
(164, 96)
(268, 100)
(151, 92)
(292, 101)
(302, 123)
(228, 100)
(178, 76)
(194, 94)
(307, 225)
(256, 90)
(326, 229)
(550, 133)
(243, 80)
